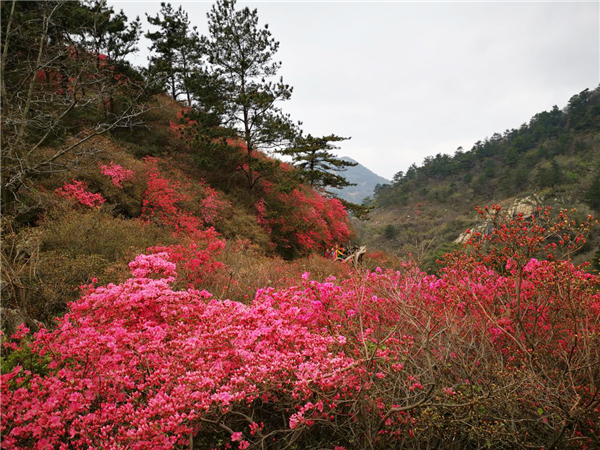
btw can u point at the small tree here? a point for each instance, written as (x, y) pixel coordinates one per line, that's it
(312, 155)
(592, 196)
(390, 232)
(241, 55)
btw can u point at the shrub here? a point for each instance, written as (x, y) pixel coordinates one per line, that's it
(117, 173)
(500, 350)
(174, 353)
(302, 221)
(77, 191)
(43, 266)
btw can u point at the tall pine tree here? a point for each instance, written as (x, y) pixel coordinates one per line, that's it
(240, 54)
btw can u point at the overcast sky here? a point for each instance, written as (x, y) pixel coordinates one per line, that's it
(408, 80)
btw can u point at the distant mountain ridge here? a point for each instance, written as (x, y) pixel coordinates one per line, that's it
(365, 180)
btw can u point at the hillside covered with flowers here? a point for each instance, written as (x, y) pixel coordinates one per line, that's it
(168, 279)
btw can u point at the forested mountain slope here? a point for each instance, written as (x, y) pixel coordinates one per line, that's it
(556, 156)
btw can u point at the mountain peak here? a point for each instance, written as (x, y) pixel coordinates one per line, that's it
(365, 180)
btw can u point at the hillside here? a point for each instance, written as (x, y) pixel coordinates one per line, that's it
(365, 181)
(146, 188)
(555, 157)
(168, 283)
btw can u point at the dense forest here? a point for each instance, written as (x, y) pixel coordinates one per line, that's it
(168, 281)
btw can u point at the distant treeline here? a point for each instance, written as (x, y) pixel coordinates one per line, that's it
(553, 152)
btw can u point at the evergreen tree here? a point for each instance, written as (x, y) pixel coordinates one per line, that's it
(391, 232)
(312, 155)
(177, 50)
(398, 177)
(241, 56)
(592, 196)
(108, 33)
(549, 177)
(111, 38)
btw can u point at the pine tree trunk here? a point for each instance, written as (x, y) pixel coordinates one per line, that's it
(248, 138)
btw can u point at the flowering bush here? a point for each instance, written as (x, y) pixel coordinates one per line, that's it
(211, 205)
(303, 220)
(162, 201)
(500, 350)
(117, 173)
(196, 260)
(78, 191)
(139, 365)
(164, 198)
(196, 255)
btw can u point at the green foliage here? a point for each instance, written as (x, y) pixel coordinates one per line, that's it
(240, 55)
(390, 232)
(592, 196)
(548, 176)
(312, 155)
(583, 111)
(109, 33)
(24, 357)
(176, 47)
(361, 211)
(595, 263)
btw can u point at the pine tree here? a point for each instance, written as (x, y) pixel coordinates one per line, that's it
(592, 196)
(176, 47)
(312, 155)
(108, 33)
(241, 55)
(112, 39)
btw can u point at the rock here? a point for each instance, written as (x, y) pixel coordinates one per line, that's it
(526, 206)
(12, 318)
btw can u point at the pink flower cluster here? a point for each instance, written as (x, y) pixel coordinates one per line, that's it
(117, 173)
(211, 205)
(162, 203)
(141, 365)
(138, 365)
(196, 260)
(261, 215)
(78, 192)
